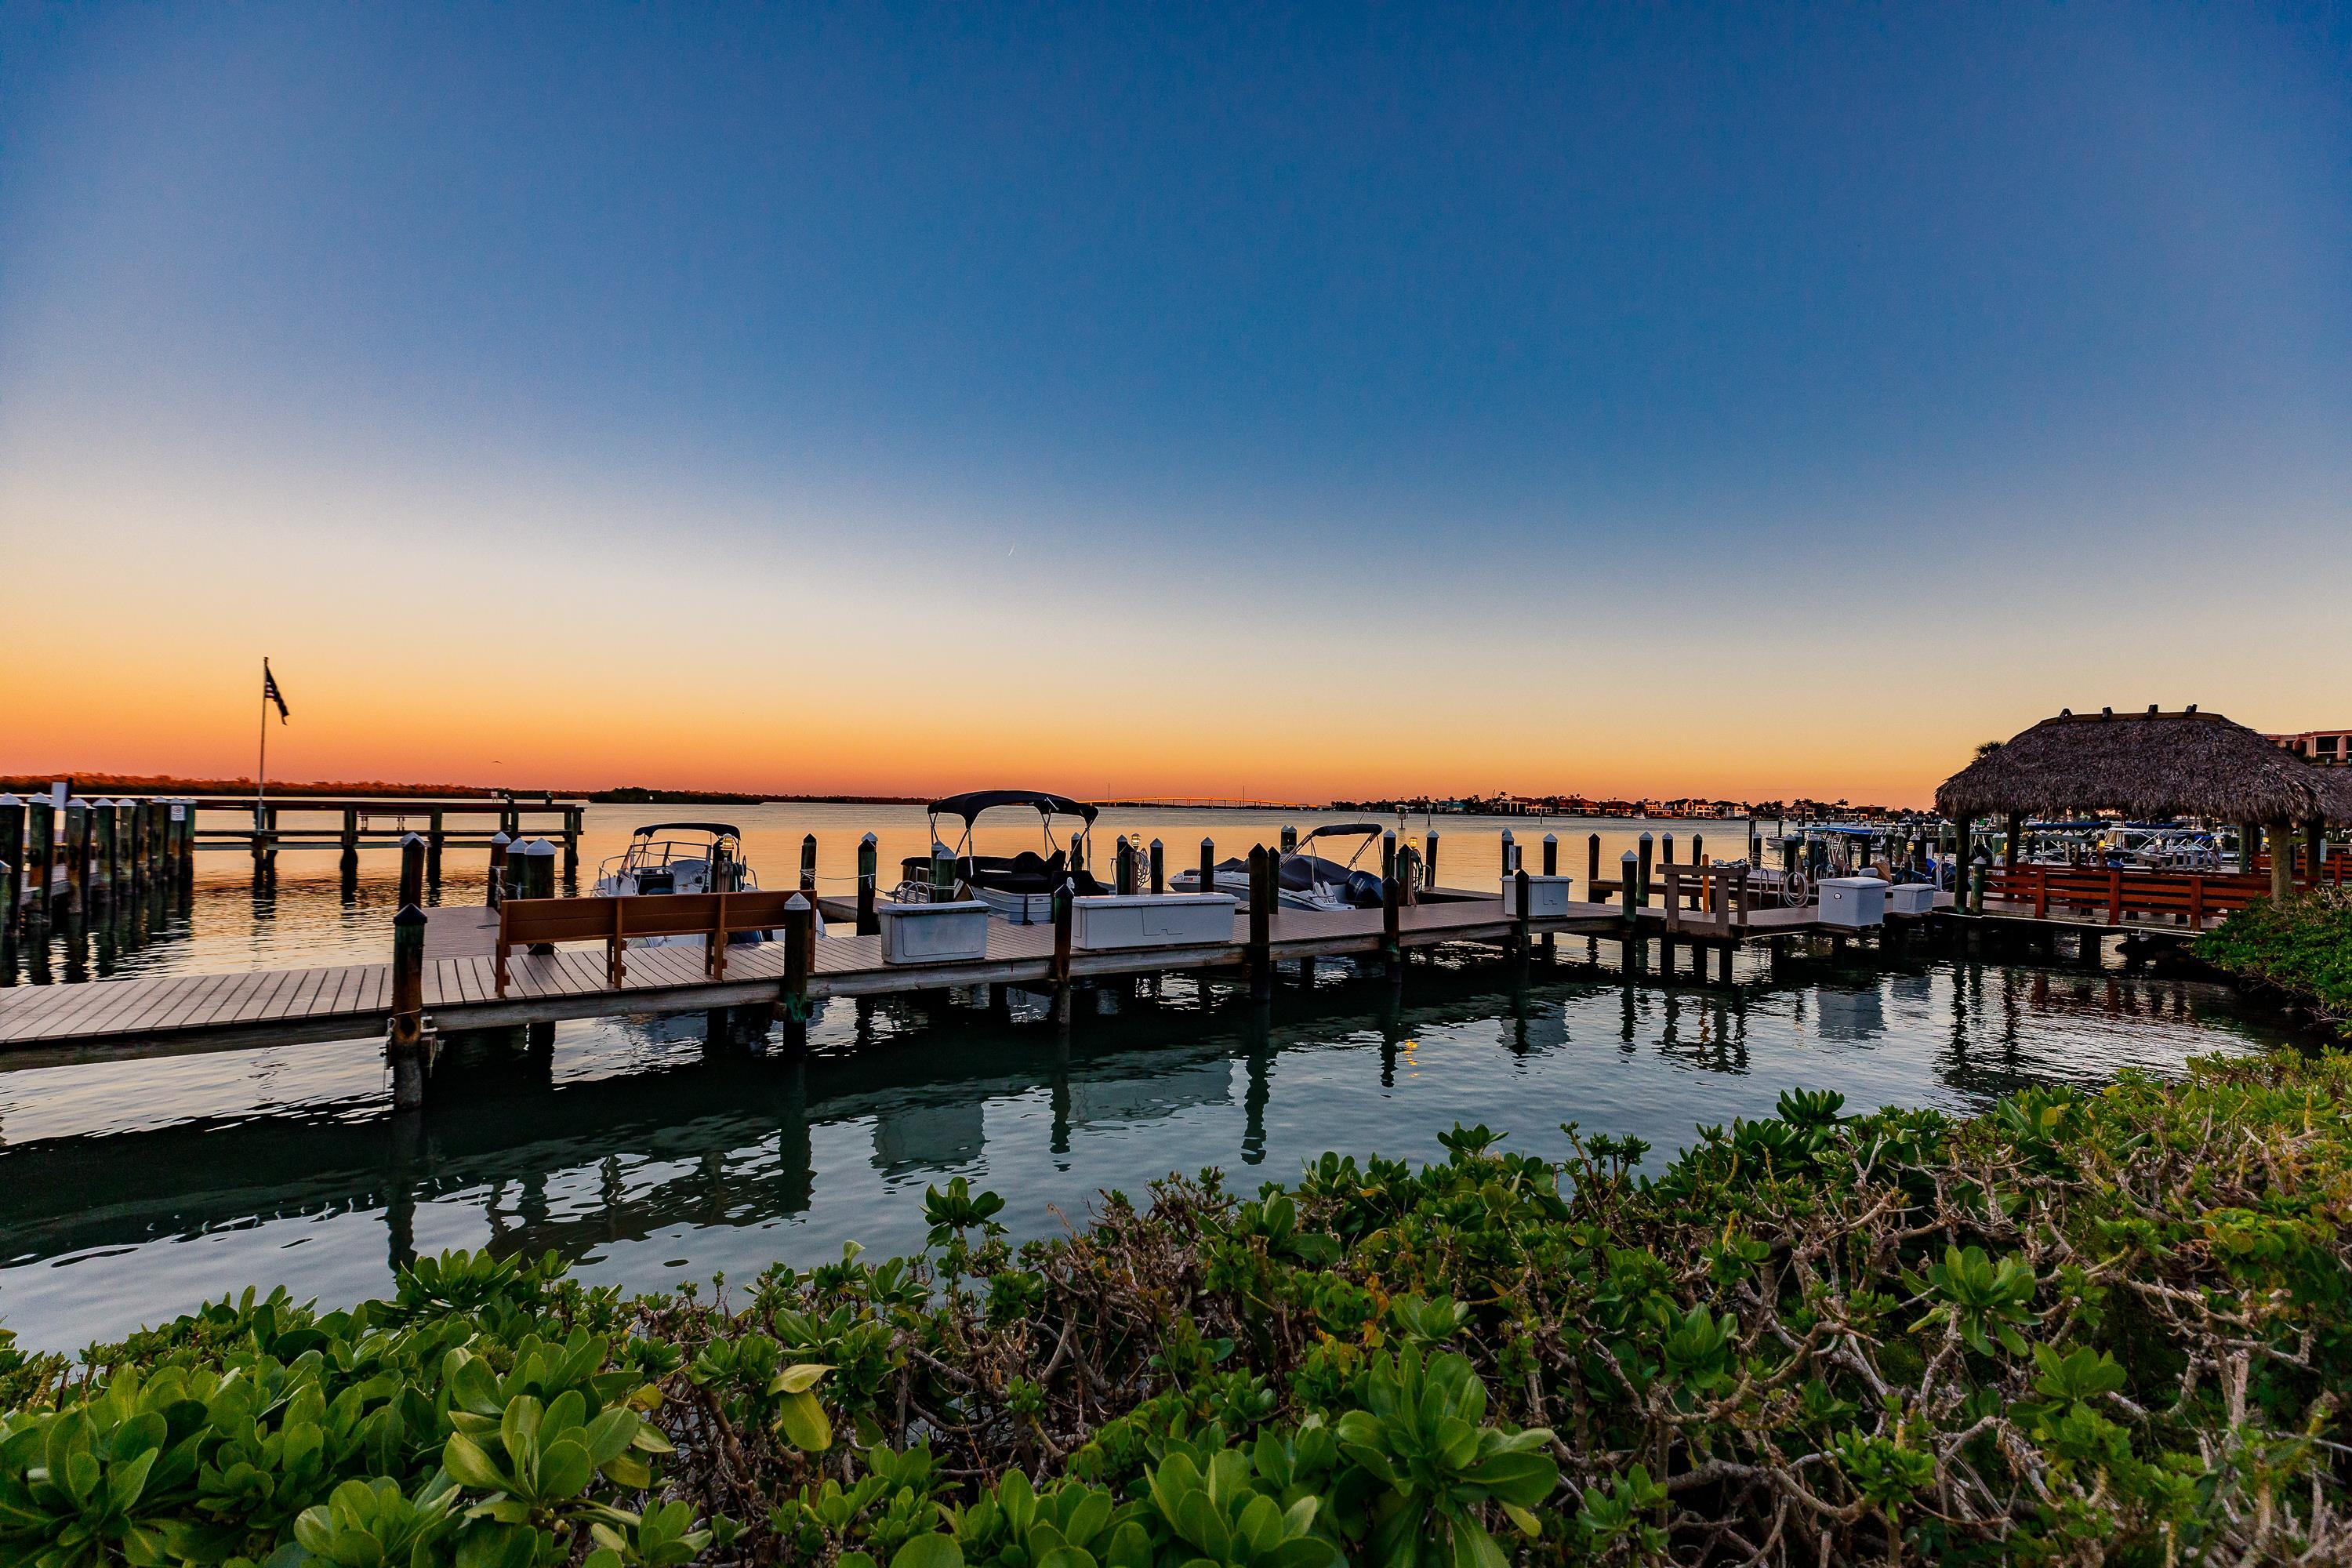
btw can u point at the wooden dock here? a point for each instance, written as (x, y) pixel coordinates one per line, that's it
(133, 1018)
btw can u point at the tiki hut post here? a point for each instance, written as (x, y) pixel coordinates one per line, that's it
(2016, 825)
(2281, 859)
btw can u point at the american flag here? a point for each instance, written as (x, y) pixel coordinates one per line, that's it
(269, 692)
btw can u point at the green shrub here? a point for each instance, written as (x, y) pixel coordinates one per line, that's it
(2302, 945)
(2107, 1326)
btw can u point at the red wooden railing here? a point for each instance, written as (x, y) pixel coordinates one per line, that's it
(2184, 897)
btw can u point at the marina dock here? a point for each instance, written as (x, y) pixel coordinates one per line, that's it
(134, 1019)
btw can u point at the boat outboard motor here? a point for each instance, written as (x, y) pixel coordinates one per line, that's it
(1364, 889)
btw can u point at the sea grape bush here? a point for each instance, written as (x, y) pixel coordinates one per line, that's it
(2080, 1327)
(2301, 945)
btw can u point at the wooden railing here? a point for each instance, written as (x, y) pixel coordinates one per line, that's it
(715, 917)
(2187, 897)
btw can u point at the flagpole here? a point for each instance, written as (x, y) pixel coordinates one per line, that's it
(261, 768)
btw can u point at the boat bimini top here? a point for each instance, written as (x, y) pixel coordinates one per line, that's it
(1028, 872)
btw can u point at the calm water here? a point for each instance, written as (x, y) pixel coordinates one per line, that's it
(128, 1193)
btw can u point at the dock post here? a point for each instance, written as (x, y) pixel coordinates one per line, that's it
(1064, 900)
(1261, 921)
(403, 1046)
(1123, 867)
(572, 817)
(1429, 858)
(1392, 934)
(1642, 888)
(1628, 887)
(1551, 868)
(107, 851)
(1208, 866)
(76, 850)
(530, 870)
(1665, 849)
(943, 873)
(1510, 853)
(412, 870)
(868, 862)
(351, 860)
(40, 856)
(1519, 943)
(495, 893)
(808, 863)
(1592, 865)
(800, 944)
(1698, 848)
(186, 811)
(1159, 867)
(1290, 838)
(1977, 870)
(1388, 856)
(436, 834)
(12, 850)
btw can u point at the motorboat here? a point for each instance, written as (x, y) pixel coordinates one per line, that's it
(666, 858)
(1018, 889)
(1304, 880)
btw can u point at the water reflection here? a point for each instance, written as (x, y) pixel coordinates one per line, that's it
(636, 1148)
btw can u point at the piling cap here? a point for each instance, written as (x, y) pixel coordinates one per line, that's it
(10, 800)
(498, 840)
(868, 841)
(409, 915)
(536, 847)
(1157, 845)
(1629, 857)
(796, 905)
(408, 838)
(1551, 838)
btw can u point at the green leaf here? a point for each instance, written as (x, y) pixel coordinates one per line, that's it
(805, 1424)
(934, 1551)
(463, 1458)
(799, 1379)
(564, 1469)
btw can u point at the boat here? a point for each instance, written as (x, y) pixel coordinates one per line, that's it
(1305, 880)
(1018, 889)
(702, 858)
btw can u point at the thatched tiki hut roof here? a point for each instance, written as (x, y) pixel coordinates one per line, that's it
(2147, 765)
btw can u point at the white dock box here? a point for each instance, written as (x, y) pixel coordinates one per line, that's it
(1852, 901)
(1911, 899)
(1546, 897)
(1151, 920)
(933, 934)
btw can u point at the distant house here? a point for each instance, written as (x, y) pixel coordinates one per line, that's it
(2329, 748)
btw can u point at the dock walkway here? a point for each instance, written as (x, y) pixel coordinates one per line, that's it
(125, 1019)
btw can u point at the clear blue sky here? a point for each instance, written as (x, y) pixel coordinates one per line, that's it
(1462, 307)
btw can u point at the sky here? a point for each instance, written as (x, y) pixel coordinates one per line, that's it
(1278, 402)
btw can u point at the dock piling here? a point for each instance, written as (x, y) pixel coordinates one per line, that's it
(808, 862)
(412, 870)
(495, 893)
(800, 942)
(1261, 921)
(436, 834)
(1208, 866)
(1159, 867)
(1123, 867)
(1510, 853)
(1429, 858)
(1627, 888)
(404, 1048)
(349, 865)
(1391, 937)
(572, 821)
(1648, 849)
(77, 852)
(868, 859)
(1388, 856)
(1065, 900)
